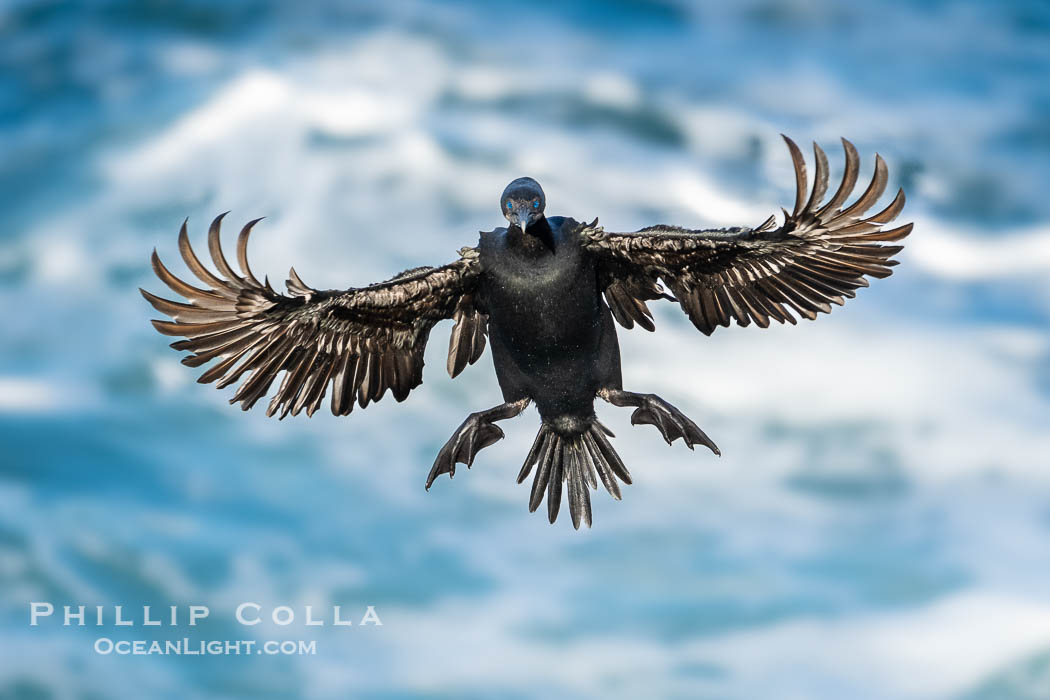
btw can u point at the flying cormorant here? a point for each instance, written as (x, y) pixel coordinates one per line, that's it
(545, 291)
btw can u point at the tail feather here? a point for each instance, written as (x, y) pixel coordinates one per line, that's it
(579, 461)
(557, 475)
(611, 459)
(579, 493)
(545, 457)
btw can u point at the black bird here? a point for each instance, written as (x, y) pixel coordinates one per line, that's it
(546, 292)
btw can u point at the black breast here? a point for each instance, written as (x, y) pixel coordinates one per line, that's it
(541, 296)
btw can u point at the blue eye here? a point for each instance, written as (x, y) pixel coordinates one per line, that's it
(509, 206)
(535, 204)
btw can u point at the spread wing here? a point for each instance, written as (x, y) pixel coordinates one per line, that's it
(818, 257)
(360, 341)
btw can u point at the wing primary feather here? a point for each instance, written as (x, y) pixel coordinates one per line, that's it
(199, 296)
(215, 248)
(874, 255)
(198, 359)
(892, 211)
(219, 369)
(849, 181)
(204, 343)
(203, 274)
(854, 231)
(191, 330)
(832, 271)
(242, 252)
(831, 286)
(813, 300)
(891, 235)
(258, 354)
(184, 312)
(861, 267)
(801, 304)
(814, 289)
(875, 189)
(820, 178)
(799, 164)
(865, 250)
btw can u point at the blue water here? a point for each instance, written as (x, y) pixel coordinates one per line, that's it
(878, 526)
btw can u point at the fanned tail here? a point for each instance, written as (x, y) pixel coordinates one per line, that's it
(579, 462)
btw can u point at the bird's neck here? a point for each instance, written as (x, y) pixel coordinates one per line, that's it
(538, 237)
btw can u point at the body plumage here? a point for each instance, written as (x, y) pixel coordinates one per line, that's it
(531, 278)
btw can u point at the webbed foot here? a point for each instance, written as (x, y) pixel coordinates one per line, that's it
(652, 410)
(476, 433)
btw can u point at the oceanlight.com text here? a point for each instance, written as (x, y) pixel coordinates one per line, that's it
(215, 647)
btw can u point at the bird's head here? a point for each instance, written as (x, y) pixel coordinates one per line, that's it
(523, 202)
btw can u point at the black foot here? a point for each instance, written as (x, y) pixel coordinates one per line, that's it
(475, 434)
(653, 410)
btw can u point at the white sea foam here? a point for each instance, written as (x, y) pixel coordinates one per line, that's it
(23, 395)
(934, 651)
(1017, 255)
(937, 651)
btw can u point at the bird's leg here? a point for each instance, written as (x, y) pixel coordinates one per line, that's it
(476, 433)
(651, 409)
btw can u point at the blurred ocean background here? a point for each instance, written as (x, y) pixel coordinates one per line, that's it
(879, 525)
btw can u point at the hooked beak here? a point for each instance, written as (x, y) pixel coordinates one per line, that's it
(522, 219)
